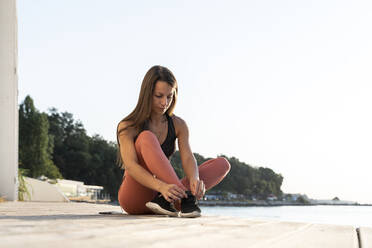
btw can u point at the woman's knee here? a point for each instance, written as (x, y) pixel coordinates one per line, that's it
(146, 137)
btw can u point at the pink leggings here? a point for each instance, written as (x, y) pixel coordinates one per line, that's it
(132, 195)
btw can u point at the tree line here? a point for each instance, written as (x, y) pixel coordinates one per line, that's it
(243, 179)
(57, 146)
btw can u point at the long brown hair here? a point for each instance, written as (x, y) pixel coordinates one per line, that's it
(142, 111)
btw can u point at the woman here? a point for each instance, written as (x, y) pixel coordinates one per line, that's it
(146, 140)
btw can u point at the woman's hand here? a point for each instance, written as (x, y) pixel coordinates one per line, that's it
(197, 187)
(172, 192)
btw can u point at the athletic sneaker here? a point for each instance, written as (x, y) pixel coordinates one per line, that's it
(189, 207)
(159, 205)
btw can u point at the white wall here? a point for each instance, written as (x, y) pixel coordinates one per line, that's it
(8, 101)
(43, 191)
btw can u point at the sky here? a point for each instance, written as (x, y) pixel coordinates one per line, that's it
(279, 84)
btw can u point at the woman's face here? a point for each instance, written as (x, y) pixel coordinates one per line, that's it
(162, 97)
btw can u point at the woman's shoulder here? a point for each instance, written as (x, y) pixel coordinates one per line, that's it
(179, 123)
(126, 128)
(177, 120)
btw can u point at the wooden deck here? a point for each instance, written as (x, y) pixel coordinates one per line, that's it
(40, 224)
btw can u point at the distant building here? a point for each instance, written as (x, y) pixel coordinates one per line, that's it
(211, 197)
(272, 197)
(71, 188)
(232, 196)
(76, 189)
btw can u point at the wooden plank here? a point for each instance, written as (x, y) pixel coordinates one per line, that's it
(79, 225)
(320, 235)
(365, 235)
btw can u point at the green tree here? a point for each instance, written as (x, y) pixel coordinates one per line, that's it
(71, 146)
(83, 158)
(176, 162)
(302, 200)
(242, 178)
(35, 147)
(103, 163)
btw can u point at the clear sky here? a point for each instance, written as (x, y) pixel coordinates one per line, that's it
(279, 84)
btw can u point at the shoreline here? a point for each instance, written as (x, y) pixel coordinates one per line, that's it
(269, 204)
(247, 204)
(204, 203)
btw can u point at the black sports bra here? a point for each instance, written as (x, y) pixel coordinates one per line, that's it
(169, 144)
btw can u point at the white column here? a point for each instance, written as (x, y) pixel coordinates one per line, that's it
(8, 101)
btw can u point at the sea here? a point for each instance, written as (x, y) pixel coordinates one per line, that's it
(356, 216)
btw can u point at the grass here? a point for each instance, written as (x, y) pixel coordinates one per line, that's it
(22, 188)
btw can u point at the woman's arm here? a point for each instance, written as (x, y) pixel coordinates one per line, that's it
(141, 175)
(189, 164)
